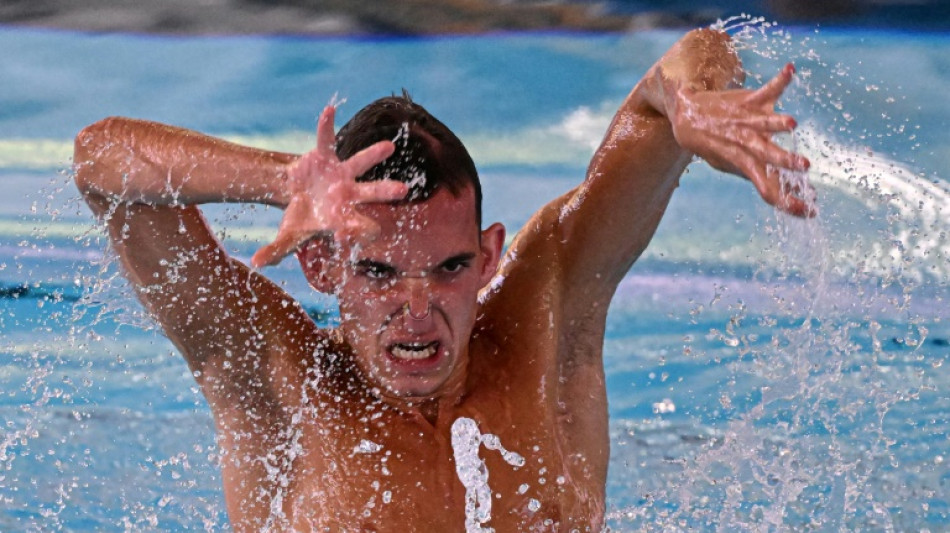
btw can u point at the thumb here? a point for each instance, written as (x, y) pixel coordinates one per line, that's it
(271, 254)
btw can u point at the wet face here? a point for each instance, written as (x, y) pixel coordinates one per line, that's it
(408, 299)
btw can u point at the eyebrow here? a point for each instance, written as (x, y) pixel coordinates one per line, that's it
(466, 256)
(372, 263)
(366, 263)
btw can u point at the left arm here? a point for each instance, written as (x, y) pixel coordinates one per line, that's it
(687, 104)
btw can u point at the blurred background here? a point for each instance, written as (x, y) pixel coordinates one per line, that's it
(421, 17)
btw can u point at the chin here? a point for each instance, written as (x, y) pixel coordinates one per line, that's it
(412, 391)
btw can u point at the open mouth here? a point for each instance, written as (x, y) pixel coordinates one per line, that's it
(414, 351)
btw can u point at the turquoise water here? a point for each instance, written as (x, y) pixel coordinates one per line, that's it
(764, 374)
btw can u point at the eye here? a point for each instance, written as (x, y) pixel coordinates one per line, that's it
(374, 270)
(454, 266)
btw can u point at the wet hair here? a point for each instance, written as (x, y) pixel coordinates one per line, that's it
(428, 155)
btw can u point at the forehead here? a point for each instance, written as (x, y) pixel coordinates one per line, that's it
(434, 229)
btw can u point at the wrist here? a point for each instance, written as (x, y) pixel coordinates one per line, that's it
(267, 181)
(281, 193)
(704, 60)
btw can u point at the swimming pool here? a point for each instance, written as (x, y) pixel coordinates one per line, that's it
(763, 373)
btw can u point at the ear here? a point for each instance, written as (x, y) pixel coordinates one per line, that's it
(316, 258)
(493, 240)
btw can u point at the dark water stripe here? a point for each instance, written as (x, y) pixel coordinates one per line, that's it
(46, 292)
(64, 293)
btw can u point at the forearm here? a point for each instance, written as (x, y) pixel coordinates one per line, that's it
(634, 172)
(137, 161)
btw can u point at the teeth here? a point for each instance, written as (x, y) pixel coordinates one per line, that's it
(414, 351)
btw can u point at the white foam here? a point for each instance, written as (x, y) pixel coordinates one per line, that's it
(918, 221)
(473, 473)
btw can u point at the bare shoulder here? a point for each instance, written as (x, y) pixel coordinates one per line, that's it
(538, 276)
(531, 304)
(529, 274)
(143, 181)
(237, 330)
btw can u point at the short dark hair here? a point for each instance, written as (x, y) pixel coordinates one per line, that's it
(428, 155)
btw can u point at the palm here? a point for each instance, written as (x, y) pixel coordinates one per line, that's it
(734, 134)
(324, 193)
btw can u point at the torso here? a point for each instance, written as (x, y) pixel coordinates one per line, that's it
(341, 460)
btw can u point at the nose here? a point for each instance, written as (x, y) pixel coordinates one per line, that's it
(418, 304)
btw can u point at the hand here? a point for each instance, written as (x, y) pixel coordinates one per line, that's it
(324, 194)
(732, 130)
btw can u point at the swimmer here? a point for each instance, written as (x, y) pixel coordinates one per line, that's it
(349, 429)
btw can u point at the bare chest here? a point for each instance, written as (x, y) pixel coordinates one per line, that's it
(374, 474)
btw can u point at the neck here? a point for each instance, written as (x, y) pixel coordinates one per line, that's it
(429, 409)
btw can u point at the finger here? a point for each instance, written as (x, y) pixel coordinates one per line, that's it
(380, 192)
(282, 246)
(769, 189)
(764, 148)
(765, 178)
(772, 90)
(754, 170)
(369, 157)
(774, 155)
(771, 123)
(798, 195)
(727, 156)
(779, 195)
(796, 206)
(326, 137)
(751, 167)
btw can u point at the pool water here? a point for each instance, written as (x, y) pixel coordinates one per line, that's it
(764, 374)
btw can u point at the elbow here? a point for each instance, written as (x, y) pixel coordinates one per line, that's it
(89, 148)
(91, 140)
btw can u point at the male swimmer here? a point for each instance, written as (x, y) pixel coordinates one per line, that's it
(350, 428)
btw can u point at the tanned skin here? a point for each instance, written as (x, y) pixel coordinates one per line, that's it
(328, 430)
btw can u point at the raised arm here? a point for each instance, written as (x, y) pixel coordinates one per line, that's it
(143, 180)
(687, 104)
(133, 161)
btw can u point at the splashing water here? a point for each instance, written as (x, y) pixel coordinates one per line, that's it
(810, 427)
(472, 472)
(808, 383)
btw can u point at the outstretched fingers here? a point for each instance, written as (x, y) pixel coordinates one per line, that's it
(771, 91)
(766, 177)
(769, 152)
(359, 163)
(781, 194)
(792, 203)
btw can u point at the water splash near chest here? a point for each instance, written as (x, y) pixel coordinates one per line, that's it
(473, 473)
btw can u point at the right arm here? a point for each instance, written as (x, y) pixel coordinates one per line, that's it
(135, 161)
(143, 181)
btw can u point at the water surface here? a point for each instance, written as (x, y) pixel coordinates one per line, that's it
(763, 373)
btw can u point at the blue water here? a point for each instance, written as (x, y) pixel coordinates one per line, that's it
(764, 374)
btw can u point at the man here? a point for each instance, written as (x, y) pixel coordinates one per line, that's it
(350, 429)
